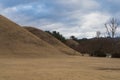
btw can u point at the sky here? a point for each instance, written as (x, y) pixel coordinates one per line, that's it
(79, 18)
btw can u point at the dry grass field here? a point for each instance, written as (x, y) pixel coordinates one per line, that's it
(70, 68)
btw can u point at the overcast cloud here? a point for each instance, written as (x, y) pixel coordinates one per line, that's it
(81, 18)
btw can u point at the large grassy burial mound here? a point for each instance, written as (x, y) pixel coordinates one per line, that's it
(15, 41)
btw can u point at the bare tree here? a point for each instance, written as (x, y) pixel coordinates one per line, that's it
(111, 27)
(98, 33)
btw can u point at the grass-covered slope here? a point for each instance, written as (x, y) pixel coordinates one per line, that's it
(16, 41)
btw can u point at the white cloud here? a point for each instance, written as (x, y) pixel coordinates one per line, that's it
(9, 10)
(94, 21)
(114, 1)
(52, 26)
(81, 18)
(79, 4)
(90, 4)
(86, 25)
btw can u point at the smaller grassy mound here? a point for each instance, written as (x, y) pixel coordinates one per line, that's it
(52, 41)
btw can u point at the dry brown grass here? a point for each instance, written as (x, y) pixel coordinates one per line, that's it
(69, 68)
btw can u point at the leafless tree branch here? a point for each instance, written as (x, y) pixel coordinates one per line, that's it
(111, 27)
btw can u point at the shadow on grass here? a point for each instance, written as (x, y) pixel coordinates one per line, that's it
(115, 69)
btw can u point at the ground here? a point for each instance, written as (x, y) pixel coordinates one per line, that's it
(70, 68)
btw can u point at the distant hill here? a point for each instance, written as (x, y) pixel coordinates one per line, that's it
(52, 41)
(16, 41)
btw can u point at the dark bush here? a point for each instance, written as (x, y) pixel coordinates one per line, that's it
(116, 55)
